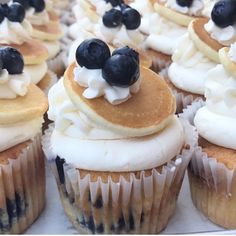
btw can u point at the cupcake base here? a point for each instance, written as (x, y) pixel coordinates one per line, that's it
(22, 186)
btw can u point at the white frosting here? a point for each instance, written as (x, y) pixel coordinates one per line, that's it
(122, 154)
(36, 72)
(119, 36)
(12, 135)
(189, 67)
(97, 86)
(14, 32)
(53, 48)
(37, 18)
(84, 24)
(143, 7)
(208, 6)
(163, 34)
(12, 86)
(216, 122)
(232, 52)
(101, 6)
(226, 36)
(194, 10)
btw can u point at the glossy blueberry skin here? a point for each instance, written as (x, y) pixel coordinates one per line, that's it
(4, 9)
(184, 3)
(112, 18)
(12, 60)
(24, 3)
(121, 71)
(16, 13)
(38, 5)
(127, 51)
(131, 18)
(1, 15)
(114, 3)
(224, 13)
(92, 54)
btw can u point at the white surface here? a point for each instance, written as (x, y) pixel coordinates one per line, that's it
(186, 219)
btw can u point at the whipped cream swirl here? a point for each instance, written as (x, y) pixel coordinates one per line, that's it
(12, 86)
(97, 86)
(14, 32)
(232, 52)
(37, 18)
(101, 6)
(194, 10)
(225, 36)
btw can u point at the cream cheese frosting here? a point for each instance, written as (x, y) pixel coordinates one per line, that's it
(96, 86)
(37, 18)
(12, 135)
(194, 10)
(232, 52)
(189, 67)
(113, 152)
(14, 32)
(12, 86)
(226, 36)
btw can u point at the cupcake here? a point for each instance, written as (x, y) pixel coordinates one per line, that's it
(212, 169)
(110, 149)
(197, 52)
(22, 179)
(15, 31)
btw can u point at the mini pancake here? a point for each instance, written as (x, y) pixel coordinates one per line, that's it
(45, 82)
(202, 39)
(225, 60)
(33, 105)
(33, 51)
(53, 16)
(146, 112)
(172, 15)
(50, 32)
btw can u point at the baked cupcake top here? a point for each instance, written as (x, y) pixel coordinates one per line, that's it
(22, 104)
(216, 121)
(110, 102)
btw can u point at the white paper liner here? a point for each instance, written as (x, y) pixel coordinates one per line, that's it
(137, 205)
(182, 100)
(212, 184)
(22, 188)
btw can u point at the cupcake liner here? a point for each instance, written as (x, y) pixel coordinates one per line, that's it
(140, 202)
(56, 64)
(212, 184)
(22, 188)
(182, 99)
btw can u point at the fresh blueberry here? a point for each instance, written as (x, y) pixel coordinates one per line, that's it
(184, 3)
(127, 51)
(131, 18)
(24, 3)
(112, 18)
(114, 3)
(1, 15)
(38, 5)
(1, 64)
(121, 71)
(16, 12)
(4, 9)
(12, 60)
(224, 13)
(92, 54)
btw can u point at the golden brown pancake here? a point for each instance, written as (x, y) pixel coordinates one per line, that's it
(34, 104)
(33, 51)
(45, 82)
(53, 16)
(144, 113)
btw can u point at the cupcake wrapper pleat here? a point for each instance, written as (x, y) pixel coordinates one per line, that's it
(212, 184)
(138, 204)
(22, 189)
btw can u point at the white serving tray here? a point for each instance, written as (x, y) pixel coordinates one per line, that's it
(186, 220)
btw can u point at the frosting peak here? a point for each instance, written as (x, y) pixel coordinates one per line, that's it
(37, 18)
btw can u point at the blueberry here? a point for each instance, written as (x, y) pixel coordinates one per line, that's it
(4, 9)
(184, 3)
(121, 71)
(24, 3)
(128, 52)
(131, 18)
(1, 64)
(38, 5)
(224, 13)
(114, 3)
(123, 6)
(16, 12)
(1, 15)
(92, 54)
(12, 60)
(112, 18)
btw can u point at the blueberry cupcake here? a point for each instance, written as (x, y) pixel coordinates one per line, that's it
(15, 31)
(117, 170)
(197, 52)
(212, 169)
(22, 179)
